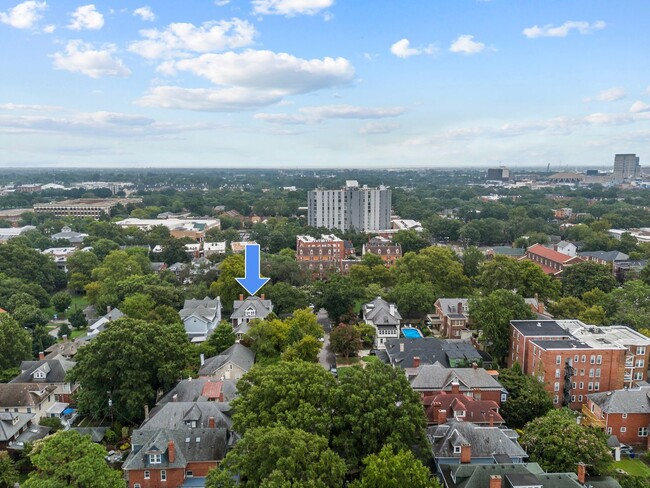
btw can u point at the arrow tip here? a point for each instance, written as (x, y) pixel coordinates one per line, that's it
(252, 285)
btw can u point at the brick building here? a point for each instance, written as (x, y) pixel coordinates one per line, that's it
(552, 262)
(445, 406)
(573, 359)
(623, 413)
(452, 316)
(324, 254)
(384, 248)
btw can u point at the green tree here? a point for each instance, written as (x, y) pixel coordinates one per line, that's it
(52, 422)
(567, 308)
(413, 297)
(77, 319)
(80, 267)
(345, 339)
(41, 340)
(222, 337)
(293, 394)
(306, 349)
(128, 363)
(20, 298)
(472, 259)
(303, 322)
(634, 481)
(410, 240)
(277, 457)
(226, 287)
(268, 338)
(629, 305)
(524, 277)
(8, 471)
(373, 406)
(15, 343)
(492, 315)
(367, 334)
(595, 315)
(584, 277)
(103, 247)
(557, 443)
(68, 458)
(61, 301)
(337, 296)
(138, 306)
(286, 298)
(527, 398)
(29, 316)
(64, 330)
(390, 469)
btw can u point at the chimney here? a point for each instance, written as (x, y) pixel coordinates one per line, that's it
(442, 416)
(211, 423)
(455, 387)
(241, 297)
(41, 355)
(465, 453)
(262, 296)
(495, 481)
(175, 397)
(64, 337)
(108, 309)
(146, 413)
(477, 394)
(171, 452)
(582, 472)
(474, 365)
(491, 417)
(401, 347)
(202, 356)
(416, 362)
(460, 307)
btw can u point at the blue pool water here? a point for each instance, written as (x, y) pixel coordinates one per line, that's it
(411, 333)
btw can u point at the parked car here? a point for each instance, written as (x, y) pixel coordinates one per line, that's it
(627, 450)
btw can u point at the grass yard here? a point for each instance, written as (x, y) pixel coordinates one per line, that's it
(78, 301)
(635, 467)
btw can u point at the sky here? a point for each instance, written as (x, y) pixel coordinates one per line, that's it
(323, 83)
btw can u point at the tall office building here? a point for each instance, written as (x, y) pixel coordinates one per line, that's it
(626, 166)
(352, 207)
(498, 174)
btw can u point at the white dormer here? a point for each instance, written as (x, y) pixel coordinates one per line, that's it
(250, 312)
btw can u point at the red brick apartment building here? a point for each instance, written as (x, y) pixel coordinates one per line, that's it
(320, 255)
(573, 359)
(623, 413)
(551, 262)
(384, 248)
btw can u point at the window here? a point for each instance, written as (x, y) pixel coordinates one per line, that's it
(599, 359)
(640, 350)
(639, 363)
(643, 432)
(504, 397)
(582, 372)
(609, 430)
(591, 372)
(638, 375)
(573, 398)
(592, 359)
(624, 415)
(597, 372)
(556, 399)
(456, 449)
(250, 312)
(189, 474)
(580, 398)
(147, 475)
(163, 475)
(558, 359)
(623, 430)
(557, 373)
(582, 385)
(576, 358)
(556, 386)
(590, 386)
(596, 386)
(136, 485)
(584, 358)
(155, 458)
(573, 385)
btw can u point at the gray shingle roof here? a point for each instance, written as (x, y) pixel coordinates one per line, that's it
(205, 308)
(191, 390)
(54, 369)
(430, 350)
(380, 313)
(632, 400)
(485, 441)
(176, 415)
(8, 428)
(190, 445)
(437, 377)
(608, 256)
(450, 305)
(24, 394)
(240, 355)
(478, 475)
(262, 307)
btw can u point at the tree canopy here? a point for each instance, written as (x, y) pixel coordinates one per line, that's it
(15, 343)
(583, 277)
(527, 398)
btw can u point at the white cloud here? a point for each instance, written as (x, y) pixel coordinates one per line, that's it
(221, 3)
(403, 49)
(208, 99)
(80, 57)
(267, 70)
(28, 107)
(145, 13)
(639, 107)
(563, 30)
(378, 128)
(290, 8)
(49, 29)
(466, 44)
(86, 17)
(24, 15)
(609, 95)
(180, 38)
(315, 115)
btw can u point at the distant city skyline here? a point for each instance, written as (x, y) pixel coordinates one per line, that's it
(324, 84)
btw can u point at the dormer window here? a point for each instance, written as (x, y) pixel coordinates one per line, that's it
(39, 374)
(456, 449)
(155, 458)
(250, 312)
(459, 413)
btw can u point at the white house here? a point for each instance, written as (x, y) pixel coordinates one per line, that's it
(243, 311)
(566, 247)
(200, 317)
(385, 318)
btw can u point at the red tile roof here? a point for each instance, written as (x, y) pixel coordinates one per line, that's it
(212, 389)
(547, 253)
(477, 411)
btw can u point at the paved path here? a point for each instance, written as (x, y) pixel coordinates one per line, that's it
(325, 358)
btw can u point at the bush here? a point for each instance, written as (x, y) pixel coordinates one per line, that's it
(51, 422)
(110, 436)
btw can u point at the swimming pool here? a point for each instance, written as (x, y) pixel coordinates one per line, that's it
(411, 333)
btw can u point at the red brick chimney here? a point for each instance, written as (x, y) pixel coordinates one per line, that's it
(262, 296)
(146, 412)
(416, 362)
(477, 393)
(582, 472)
(455, 387)
(465, 453)
(171, 452)
(442, 416)
(241, 297)
(41, 355)
(495, 481)
(460, 307)
(491, 417)
(211, 423)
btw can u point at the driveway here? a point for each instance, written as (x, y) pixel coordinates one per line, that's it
(325, 357)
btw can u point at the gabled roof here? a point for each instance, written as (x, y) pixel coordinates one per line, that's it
(175, 415)
(450, 305)
(24, 394)
(262, 307)
(437, 377)
(478, 475)
(430, 350)
(206, 309)
(237, 354)
(64, 349)
(477, 411)
(632, 400)
(190, 445)
(55, 370)
(11, 423)
(485, 441)
(381, 313)
(193, 390)
(551, 255)
(607, 256)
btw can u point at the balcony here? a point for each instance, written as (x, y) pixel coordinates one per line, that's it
(589, 419)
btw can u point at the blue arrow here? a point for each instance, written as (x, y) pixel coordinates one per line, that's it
(252, 281)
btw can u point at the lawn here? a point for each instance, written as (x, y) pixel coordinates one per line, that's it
(635, 467)
(78, 301)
